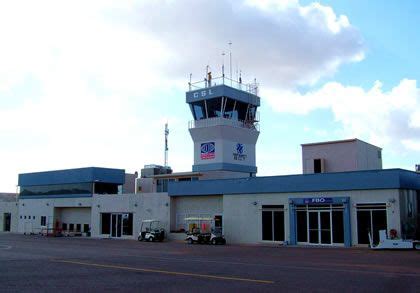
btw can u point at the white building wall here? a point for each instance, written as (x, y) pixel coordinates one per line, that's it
(195, 206)
(242, 219)
(341, 156)
(31, 211)
(144, 206)
(12, 208)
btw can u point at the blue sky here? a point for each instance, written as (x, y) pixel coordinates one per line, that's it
(92, 84)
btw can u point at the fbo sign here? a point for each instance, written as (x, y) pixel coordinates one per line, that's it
(317, 200)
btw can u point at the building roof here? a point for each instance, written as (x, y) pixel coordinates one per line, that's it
(338, 141)
(355, 180)
(68, 176)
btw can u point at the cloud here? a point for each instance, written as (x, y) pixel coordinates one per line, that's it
(387, 118)
(89, 83)
(282, 43)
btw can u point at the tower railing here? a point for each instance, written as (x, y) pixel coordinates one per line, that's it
(218, 121)
(223, 80)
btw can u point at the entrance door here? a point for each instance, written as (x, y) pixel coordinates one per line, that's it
(7, 222)
(116, 224)
(319, 227)
(370, 219)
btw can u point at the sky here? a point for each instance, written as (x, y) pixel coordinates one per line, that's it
(92, 83)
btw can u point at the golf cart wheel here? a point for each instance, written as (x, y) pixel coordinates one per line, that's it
(417, 246)
(152, 239)
(190, 241)
(140, 238)
(213, 241)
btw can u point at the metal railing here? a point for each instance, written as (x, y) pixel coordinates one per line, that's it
(223, 80)
(217, 121)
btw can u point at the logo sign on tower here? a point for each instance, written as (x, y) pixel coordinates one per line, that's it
(207, 151)
(239, 154)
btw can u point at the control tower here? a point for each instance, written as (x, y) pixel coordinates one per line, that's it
(225, 127)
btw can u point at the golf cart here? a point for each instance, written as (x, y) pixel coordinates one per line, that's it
(393, 242)
(202, 230)
(151, 230)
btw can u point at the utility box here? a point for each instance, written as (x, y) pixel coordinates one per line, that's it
(340, 156)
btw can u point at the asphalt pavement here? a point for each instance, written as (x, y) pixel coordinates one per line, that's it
(46, 264)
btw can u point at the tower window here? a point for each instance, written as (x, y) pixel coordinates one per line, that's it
(317, 166)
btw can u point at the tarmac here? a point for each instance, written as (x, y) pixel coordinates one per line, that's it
(46, 264)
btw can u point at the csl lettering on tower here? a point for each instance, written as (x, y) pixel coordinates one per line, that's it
(203, 93)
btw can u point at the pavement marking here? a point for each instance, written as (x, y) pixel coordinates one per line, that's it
(165, 272)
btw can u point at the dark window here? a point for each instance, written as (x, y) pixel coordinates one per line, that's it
(29, 217)
(198, 110)
(21, 216)
(267, 225)
(338, 226)
(325, 226)
(71, 227)
(278, 225)
(78, 227)
(43, 220)
(25, 217)
(302, 226)
(79, 188)
(317, 166)
(273, 224)
(127, 222)
(33, 217)
(106, 223)
(86, 228)
(313, 227)
(370, 219)
(214, 107)
(64, 227)
(162, 185)
(106, 188)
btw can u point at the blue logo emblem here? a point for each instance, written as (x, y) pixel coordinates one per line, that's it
(239, 148)
(208, 151)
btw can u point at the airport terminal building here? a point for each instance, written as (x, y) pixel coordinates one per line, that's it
(342, 194)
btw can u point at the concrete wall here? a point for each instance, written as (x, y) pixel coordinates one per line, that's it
(31, 210)
(341, 156)
(194, 206)
(144, 206)
(242, 219)
(225, 139)
(9, 206)
(369, 157)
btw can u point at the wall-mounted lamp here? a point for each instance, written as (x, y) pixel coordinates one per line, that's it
(167, 204)
(23, 204)
(47, 204)
(255, 203)
(80, 204)
(98, 206)
(135, 205)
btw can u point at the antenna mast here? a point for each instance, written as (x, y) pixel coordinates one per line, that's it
(230, 61)
(166, 144)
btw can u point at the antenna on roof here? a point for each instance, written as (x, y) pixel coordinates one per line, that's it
(230, 61)
(166, 144)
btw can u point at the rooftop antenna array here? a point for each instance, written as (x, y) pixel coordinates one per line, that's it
(230, 61)
(166, 144)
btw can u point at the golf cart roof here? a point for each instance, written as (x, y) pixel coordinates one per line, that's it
(149, 221)
(198, 219)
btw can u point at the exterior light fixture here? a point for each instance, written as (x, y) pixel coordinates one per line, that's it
(80, 204)
(135, 204)
(47, 204)
(98, 206)
(255, 203)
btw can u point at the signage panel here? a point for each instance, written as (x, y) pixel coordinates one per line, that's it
(317, 200)
(207, 151)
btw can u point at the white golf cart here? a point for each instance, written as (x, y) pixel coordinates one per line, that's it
(202, 230)
(392, 243)
(151, 230)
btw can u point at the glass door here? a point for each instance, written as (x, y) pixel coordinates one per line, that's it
(319, 223)
(116, 223)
